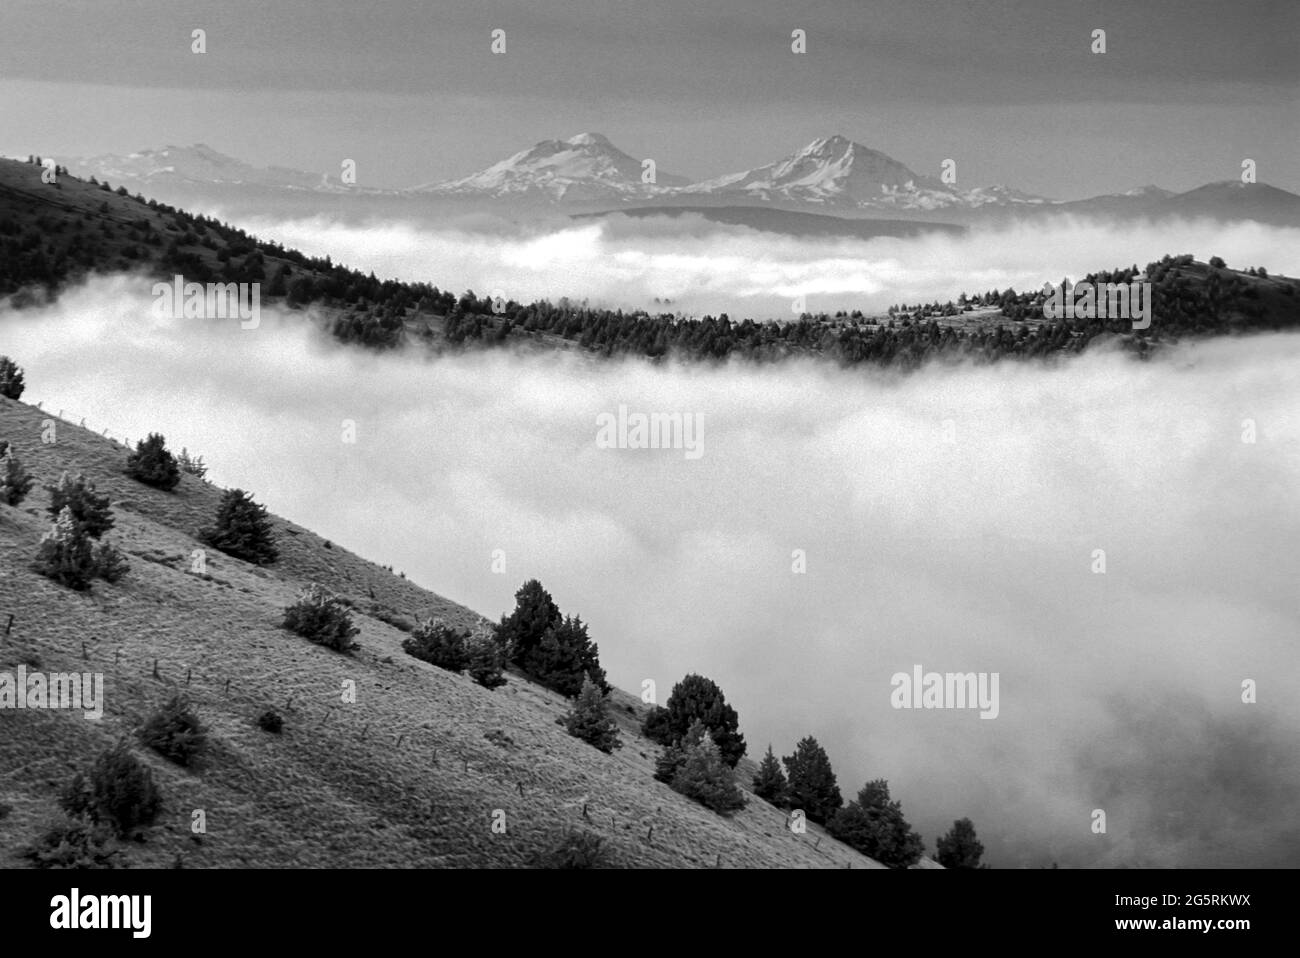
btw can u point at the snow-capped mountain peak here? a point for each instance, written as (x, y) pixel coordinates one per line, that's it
(199, 163)
(586, 166)
(837, 172)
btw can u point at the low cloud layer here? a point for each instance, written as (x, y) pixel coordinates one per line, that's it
(1119, 691)
(702, 267)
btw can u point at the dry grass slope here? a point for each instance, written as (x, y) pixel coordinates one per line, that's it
(409, 776)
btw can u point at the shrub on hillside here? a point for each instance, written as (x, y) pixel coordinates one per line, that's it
(11, 378)
(119, 792)
(66, 554)
(589, 719)
(577, 849)
(110, 564)
(672, 756)
(769, 783)
(321, 617)
(71, 558)
(440, 645)
(89, 510)
(702, 774)
(73, 843)
(486, 661)
(195, 466)
(875, 826)
(960, 848)
(270, 721)
(175, 732)
(812, 785)
(15, 481)
(242, 529)
(153, 465)
(697, 698)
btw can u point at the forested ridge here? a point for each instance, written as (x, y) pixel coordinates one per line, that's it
(52, 234)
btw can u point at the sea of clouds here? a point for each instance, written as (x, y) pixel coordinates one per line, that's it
(707, 268)
(949, 518)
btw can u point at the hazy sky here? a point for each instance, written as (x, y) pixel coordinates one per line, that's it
(411, 91)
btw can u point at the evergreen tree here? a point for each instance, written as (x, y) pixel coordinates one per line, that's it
(875, 826)
(319, 616)
(522, 631)
(564, 658)
(656, 727)
(153, 465)
(66, 554)
(960, 848)
(195, 466)
(110, 565)
(674, 754)
(440, 645)
(119, 792)
(486, 661)
(89, 511)
(696, 697)
(812, 785)
(704, 776)
(15, 481)
(242, 529)
(770, 784)
(11, 378)
(175, 732)
(589, 718)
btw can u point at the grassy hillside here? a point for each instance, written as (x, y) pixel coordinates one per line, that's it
(408, 776)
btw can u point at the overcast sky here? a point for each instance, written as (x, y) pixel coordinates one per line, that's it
(411, 91)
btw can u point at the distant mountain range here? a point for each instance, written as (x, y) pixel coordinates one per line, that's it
(587, 173)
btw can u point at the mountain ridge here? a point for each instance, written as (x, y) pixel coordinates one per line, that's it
(832, 175)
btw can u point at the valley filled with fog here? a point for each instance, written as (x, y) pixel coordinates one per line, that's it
(949, 517)
(697, 267)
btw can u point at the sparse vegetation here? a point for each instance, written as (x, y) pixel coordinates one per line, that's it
(589, 719)
(242, 529)
(440, 645)
(175, 732)
(119, 792)
(577, 849)
(76, 843)
(321, 617)
(153, 465)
